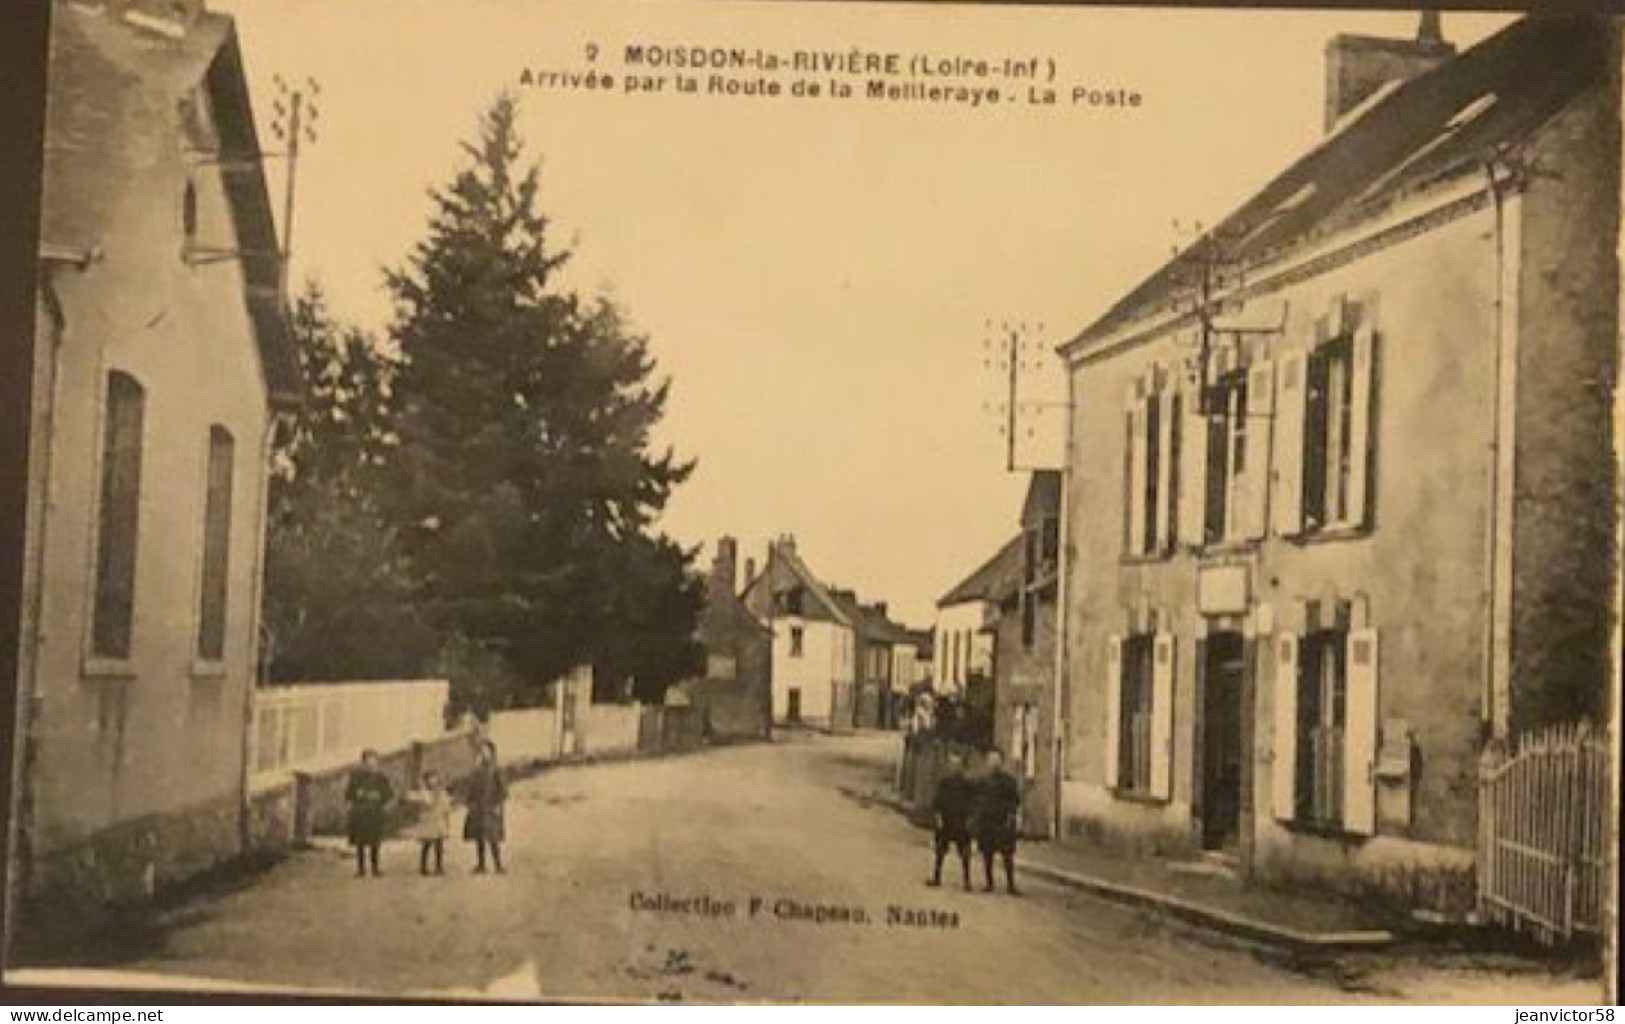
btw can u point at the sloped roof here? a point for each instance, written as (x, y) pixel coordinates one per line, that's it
(1438, 126)
(783, 561)
(993, 580)
(1043, 496)
(869, 620)
(99, 103)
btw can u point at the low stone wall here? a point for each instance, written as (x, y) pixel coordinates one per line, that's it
(610, 729)
(530, 734)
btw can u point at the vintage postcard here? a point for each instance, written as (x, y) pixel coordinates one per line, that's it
(862, 502)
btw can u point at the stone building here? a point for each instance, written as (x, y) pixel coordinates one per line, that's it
(160, 357)
(1341, 488)
(814, 645)
(1024, 649)
(737, 689)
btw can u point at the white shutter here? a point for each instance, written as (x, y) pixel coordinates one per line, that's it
(1136, 478)
(1284, 738)
(1286, 474)
(1360, 733)
(1165, 470)
(1193, 468)
(1114, 707)
(1162, 714)
(1360, 433)
(1255, 482)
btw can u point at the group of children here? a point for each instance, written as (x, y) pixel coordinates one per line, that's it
(370, 795)
(987, 809)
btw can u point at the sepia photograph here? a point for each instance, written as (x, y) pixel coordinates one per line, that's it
(848, 502)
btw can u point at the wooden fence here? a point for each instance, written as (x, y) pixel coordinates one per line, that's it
(1542, 847)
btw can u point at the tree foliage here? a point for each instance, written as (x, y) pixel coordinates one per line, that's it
(338, 600)
(525, 485)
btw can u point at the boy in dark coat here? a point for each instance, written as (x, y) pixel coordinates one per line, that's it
(997, 820)
(950, 817)
(484, 824)
(368, 795)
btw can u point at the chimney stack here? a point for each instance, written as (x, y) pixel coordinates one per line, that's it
(724, 576)
(1358, 66)
(787, 543)
(750, 572)
(880, 607)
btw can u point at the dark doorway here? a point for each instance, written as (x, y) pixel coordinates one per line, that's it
(1225, 667)
(795, 705)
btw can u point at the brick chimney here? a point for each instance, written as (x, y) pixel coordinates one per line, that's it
(880, 609)
(1357, 66)
(787, 543)
(724, 576)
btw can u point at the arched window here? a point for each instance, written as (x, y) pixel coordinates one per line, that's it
(189, 215)
(118, 521)
(211, 637)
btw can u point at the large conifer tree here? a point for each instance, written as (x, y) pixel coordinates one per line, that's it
(526, 483)
(338, 600)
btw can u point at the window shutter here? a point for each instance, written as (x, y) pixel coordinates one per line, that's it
(1360, 734)
(1360, 432)
(1162, 715)
(1193, 468)
(1136, 477)
(1114, 707)
(1286, 471)
(1284, 738)
(1165, 469)
(1255, 480)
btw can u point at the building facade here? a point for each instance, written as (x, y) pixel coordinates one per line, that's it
(161, 355)
(1025, 701)
(1361, 492)
(736, 690)
(814, 645)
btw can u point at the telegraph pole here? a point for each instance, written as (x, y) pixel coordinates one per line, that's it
(296, 112)
(1013, 347)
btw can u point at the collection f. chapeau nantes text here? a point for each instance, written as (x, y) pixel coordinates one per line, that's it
(971, 80)
(773, 909)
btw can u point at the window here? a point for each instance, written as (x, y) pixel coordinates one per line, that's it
(1029, 619)
(1134, 738)
(797, 636)
(118, 521)
(1152, 451)
(1226, 456)
(1139, 715)
(211, 638)
(1322, 711)
(1325, 734)
(1328, 441)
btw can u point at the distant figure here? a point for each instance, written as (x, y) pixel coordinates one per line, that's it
(368, 795)
(950, 818)
(434, 822)
(486, 795)
(998, 810)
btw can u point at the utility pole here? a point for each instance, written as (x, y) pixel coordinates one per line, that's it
(1014, 348)
(296, 113)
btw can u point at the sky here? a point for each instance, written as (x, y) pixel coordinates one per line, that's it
(820, 278)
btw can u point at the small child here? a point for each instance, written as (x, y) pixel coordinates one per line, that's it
(434, 822)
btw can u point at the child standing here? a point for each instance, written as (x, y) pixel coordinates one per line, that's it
(434, 822)
(368, 794)
(484, 824)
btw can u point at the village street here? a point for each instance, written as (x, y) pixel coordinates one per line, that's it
(786, 821)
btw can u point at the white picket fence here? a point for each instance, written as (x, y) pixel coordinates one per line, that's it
(1543, 823)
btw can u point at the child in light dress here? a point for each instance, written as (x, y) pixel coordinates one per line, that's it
(433, 823)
